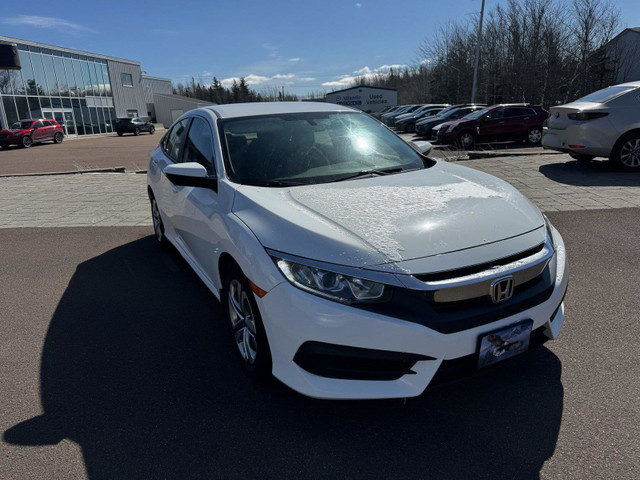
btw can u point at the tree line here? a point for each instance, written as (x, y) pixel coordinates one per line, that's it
(238, 92)
(539, 51)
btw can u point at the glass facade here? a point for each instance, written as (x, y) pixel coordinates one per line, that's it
(73, 89)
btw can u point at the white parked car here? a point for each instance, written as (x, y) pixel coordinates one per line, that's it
(605, 123)
(350, 264)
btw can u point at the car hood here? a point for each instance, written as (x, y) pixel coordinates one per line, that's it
(431, 121)
(378, 222)
(10, 131)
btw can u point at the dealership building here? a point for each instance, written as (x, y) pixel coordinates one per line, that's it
(85, 92)
(368, 99)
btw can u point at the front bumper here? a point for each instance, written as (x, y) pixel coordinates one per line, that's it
(293, 317)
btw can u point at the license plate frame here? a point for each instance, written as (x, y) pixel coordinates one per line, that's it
(504, 343)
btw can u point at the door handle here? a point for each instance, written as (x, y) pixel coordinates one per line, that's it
(501, 122)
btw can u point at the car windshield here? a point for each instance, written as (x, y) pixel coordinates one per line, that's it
(309, 148)
(22, 125)
(475, 115)
(605, 94)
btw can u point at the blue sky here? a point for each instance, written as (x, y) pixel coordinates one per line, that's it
(305, 46)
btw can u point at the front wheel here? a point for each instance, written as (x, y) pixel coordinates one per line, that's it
(410, 128)
(248, 331)
(466, 140)
(58, 137)
(534, 136)
(136, 132)
(158, 226)
(626, 153)
(152, 130)
(120, 133)
(27, 141)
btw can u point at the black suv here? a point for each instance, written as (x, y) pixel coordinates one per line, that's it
(134, 125)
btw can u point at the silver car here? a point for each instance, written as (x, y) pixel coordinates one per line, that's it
(605, 123)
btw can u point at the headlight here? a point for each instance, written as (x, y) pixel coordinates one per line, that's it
(334, 286)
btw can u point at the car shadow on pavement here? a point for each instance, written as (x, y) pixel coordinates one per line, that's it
(594, 173)
(138, 368)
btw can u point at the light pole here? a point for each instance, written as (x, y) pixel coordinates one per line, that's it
(477, 60)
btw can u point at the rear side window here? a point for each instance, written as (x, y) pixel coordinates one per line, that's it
(495, 114)
(175, 140)
(199, 145)
(38, 124)
(48, 123)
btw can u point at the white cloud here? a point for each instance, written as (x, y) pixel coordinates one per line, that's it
(253, 80)
(358, 5)
(51, 23)
(294, 59)
(348, 80)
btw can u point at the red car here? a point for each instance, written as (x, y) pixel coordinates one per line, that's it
(28, 132)
(515, 121)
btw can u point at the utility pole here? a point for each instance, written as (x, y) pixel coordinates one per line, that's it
(477, 60)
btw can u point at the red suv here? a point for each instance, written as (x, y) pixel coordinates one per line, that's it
(28, 132)
(515, 121)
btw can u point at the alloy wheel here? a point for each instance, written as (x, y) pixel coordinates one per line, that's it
(27, 141)
(630, 153)
(466, 140)
(242, 322)
(534, 136)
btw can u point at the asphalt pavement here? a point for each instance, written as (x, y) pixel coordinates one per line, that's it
(115, 363)
(81, 153)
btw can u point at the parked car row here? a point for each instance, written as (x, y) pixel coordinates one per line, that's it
(465, 124)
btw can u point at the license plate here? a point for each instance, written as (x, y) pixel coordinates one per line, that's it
(505, 343)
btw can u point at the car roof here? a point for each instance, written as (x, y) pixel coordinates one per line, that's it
(270, 108)
(628, 84)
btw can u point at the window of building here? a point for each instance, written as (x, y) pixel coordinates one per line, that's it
(127, 79)
(132, 113)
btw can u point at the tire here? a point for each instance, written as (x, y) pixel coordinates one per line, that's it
(410, 128)
(27, 141)
(158, 226)
(466, 140)
(581, 158)
(4, 146)
(534, 136)
(136, 132)
(152, 130)
(58, 137)
(248, 333)
(626, 153)
(120, 133)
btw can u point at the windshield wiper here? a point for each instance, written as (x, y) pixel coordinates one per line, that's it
(372, 171)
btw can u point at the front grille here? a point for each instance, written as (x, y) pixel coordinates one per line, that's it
(462, 272)
(422, 307)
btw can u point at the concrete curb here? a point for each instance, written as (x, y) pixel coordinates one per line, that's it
(493, 154)
(72, 172)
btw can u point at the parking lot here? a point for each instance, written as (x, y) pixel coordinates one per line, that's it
(116, 363)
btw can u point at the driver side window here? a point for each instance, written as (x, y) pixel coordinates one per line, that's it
(175, 140)
(495, 114)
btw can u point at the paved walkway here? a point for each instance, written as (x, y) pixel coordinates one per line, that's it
(553, 182)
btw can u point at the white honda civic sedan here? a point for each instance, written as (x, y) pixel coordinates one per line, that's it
(350, 265)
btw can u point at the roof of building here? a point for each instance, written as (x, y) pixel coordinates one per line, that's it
(362, 86)
(65, 49)
(271, 108)
(631, 29)
(156, 78)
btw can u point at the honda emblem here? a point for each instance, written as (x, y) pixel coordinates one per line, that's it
(501, 289)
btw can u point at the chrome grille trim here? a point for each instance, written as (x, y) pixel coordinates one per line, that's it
(479, 284)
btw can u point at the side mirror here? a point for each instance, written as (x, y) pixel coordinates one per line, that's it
(422, 147)
(190, 174)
